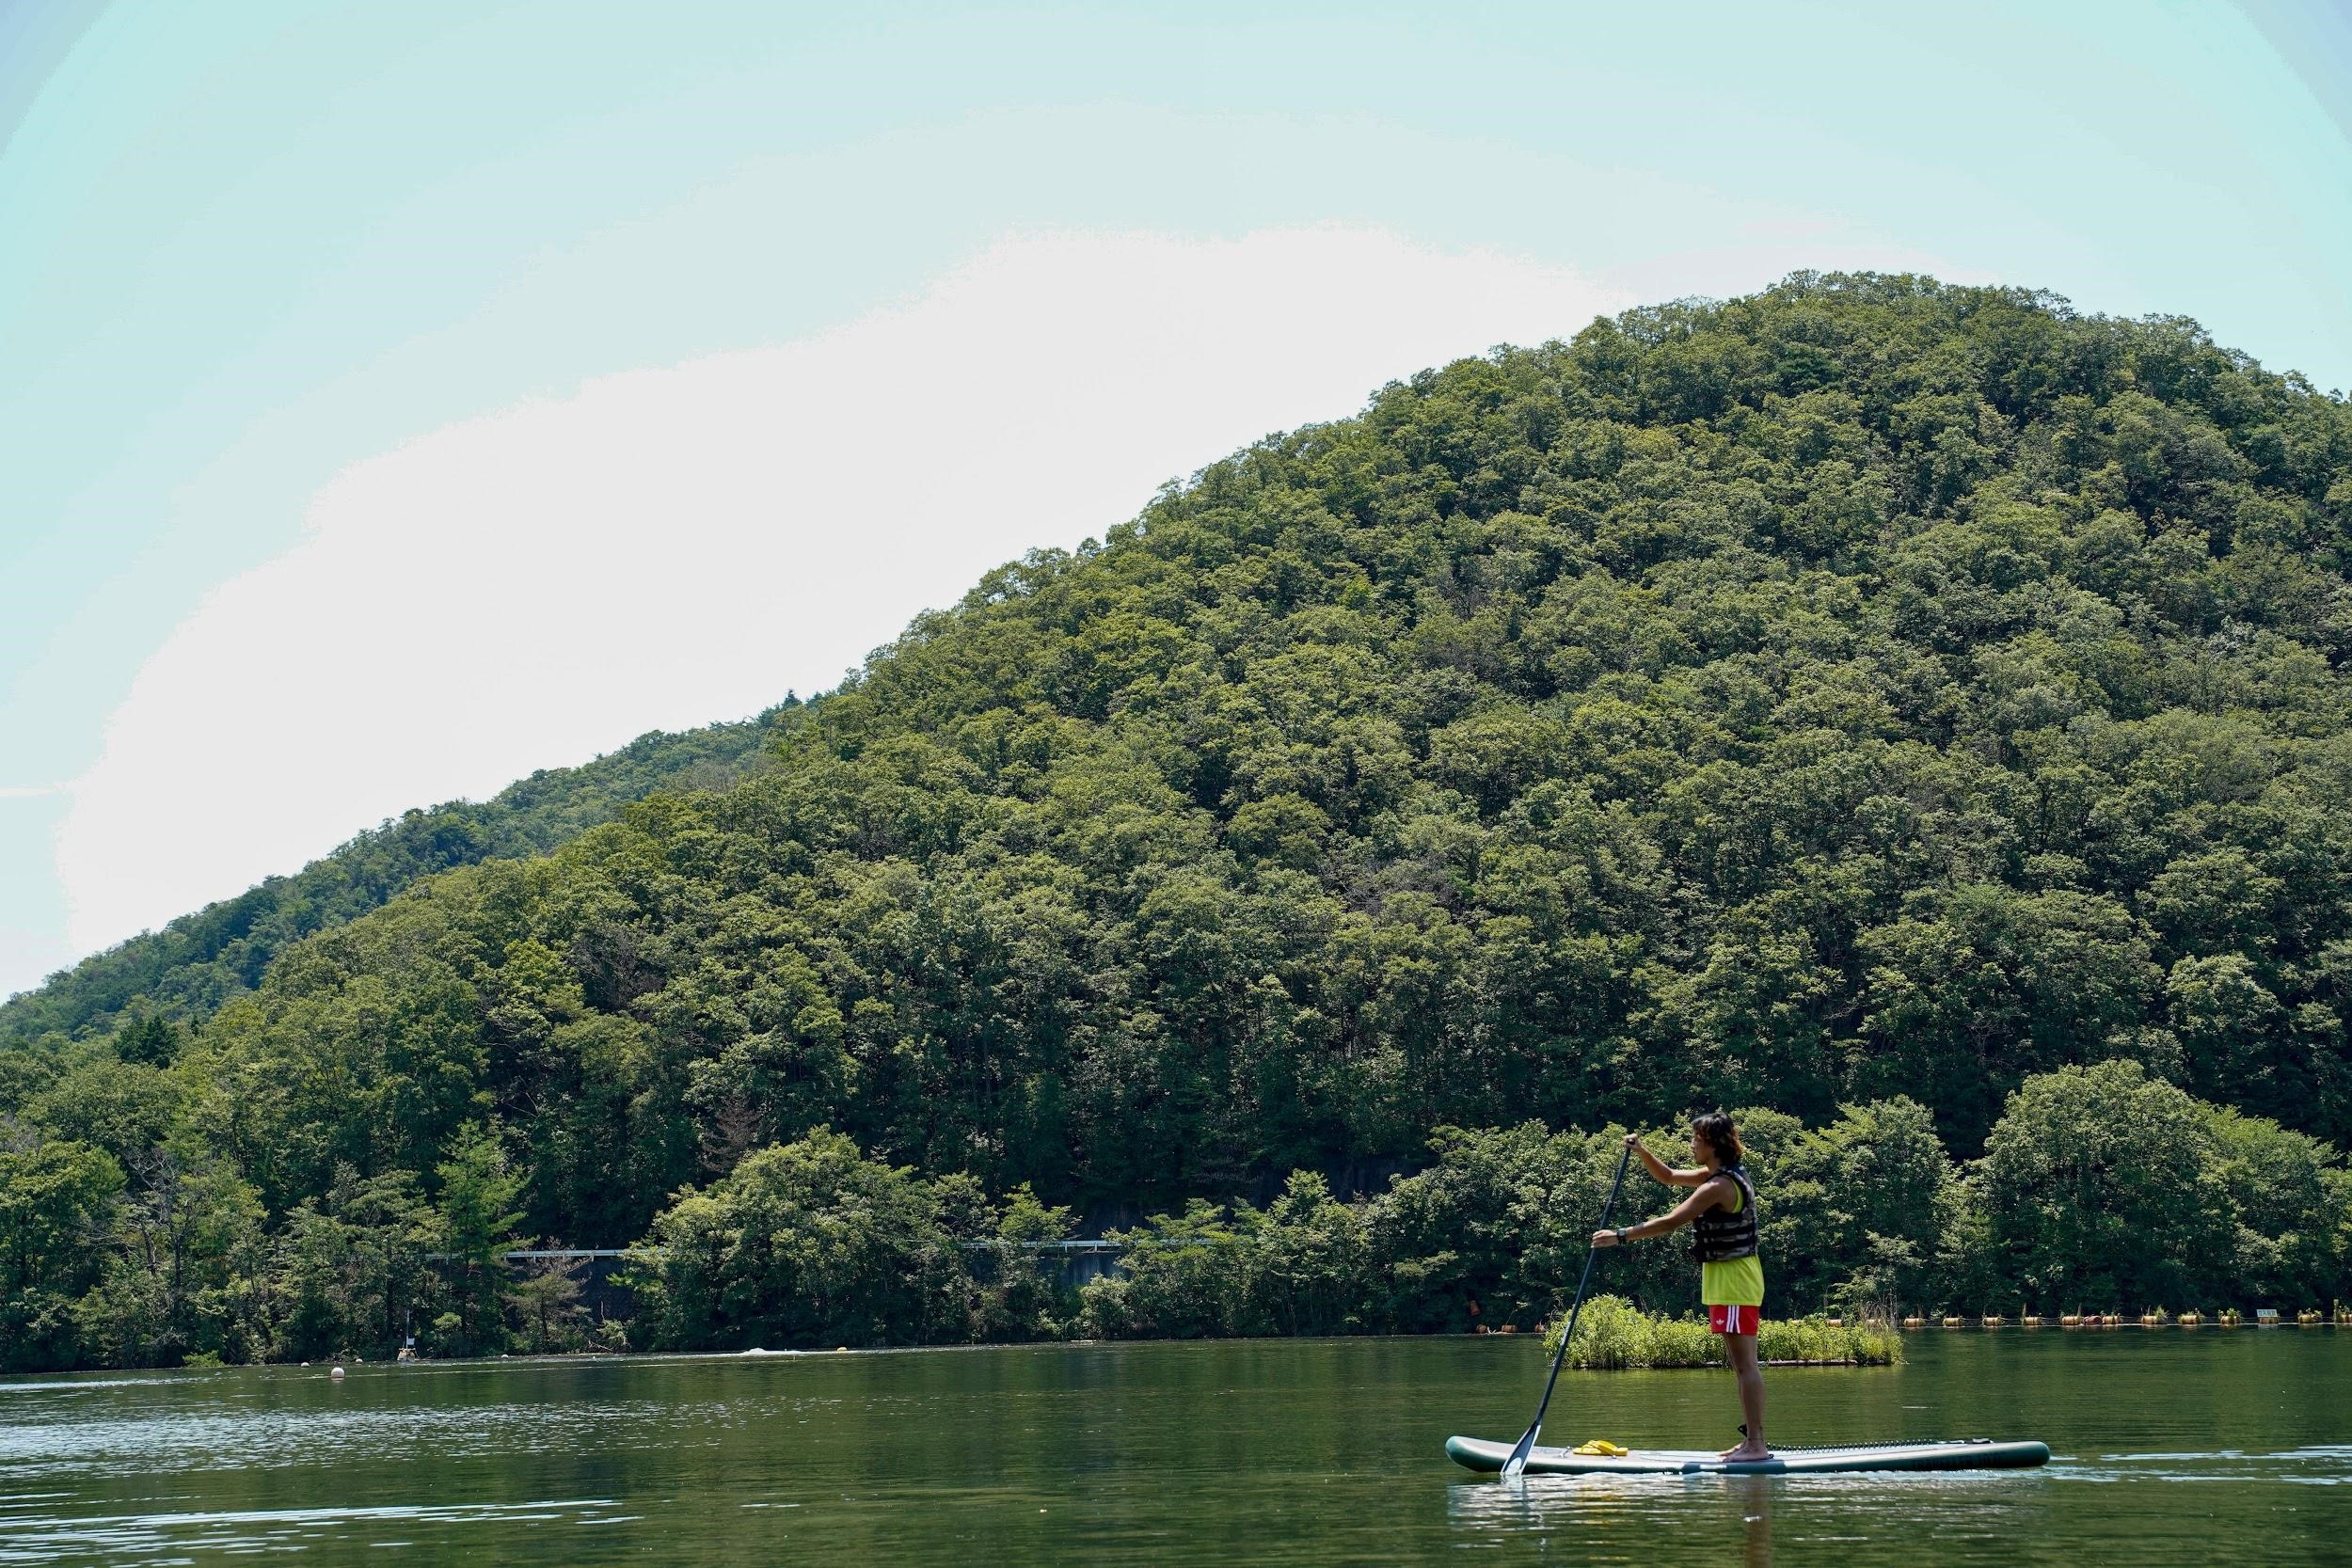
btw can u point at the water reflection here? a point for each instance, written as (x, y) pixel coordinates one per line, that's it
(1754, 1495)
(1618, 1518)
(1287, 1455)
(1860, 1517)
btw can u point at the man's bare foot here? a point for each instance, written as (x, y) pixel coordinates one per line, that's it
(1746, 1452)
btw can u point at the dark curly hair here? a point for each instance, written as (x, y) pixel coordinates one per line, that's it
(1721, 1136)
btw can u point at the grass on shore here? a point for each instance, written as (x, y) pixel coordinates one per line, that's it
(1612, 1334)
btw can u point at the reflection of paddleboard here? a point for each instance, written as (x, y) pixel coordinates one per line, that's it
(1974, 1453)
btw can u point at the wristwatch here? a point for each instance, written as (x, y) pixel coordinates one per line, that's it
(1621, 1235)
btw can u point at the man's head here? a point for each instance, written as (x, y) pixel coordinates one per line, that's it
(1714, 1141)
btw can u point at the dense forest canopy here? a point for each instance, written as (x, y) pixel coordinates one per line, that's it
(1869, 688)
(182, 972)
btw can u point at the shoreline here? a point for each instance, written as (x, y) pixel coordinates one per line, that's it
(546, 1359)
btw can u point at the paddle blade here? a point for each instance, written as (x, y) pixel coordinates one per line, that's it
(1516, 1465)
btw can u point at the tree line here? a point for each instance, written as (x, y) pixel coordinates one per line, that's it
(1867, 690)
(2102, 1189)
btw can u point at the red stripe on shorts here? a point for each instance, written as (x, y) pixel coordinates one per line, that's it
(1734, 1320)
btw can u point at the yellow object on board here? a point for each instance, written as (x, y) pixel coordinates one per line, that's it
(1600, 1447)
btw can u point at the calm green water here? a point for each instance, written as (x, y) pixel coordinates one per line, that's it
(2209, 1448)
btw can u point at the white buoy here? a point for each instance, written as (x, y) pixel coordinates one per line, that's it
(337, 1373)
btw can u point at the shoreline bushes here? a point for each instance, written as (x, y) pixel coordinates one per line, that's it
(1613, 1335)
(1868, 1216)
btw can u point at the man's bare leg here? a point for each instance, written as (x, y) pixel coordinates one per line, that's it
(1739, 1349)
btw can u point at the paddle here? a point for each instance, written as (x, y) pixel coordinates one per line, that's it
(1517, 1462)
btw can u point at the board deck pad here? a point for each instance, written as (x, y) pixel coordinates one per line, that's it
(1973, 1453)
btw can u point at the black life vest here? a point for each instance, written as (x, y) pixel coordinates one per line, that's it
(1718, 1236)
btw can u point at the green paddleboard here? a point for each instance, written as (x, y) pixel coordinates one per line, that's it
(1974, 1453)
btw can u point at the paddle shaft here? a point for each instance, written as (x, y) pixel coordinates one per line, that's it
(1517, 1462)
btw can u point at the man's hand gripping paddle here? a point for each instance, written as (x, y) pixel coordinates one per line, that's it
(1517, 1465)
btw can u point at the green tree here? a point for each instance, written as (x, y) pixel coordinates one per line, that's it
(476, 1227)
(804, 1243)
(187, 1279)
(353, 1268)
(126, 1108)
(2289, 1197)
(57, 1207)
(1307, 1263)
(1026, 1299)
(149, 1041)
(1178, 1277)
(545, 1303)
(1857, 1208)
(2096, 1193)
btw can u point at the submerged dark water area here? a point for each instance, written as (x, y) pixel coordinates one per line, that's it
(2219, 1447)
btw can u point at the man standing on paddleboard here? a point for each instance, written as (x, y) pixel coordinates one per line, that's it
(1731, 1276)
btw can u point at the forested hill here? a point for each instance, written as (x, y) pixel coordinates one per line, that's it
(180, 973)
(1866, 687)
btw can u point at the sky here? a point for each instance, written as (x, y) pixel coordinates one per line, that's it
(395, 399)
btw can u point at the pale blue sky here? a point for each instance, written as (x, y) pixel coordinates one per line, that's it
(243, 245)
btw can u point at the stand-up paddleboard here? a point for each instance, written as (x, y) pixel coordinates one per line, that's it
(1974, 1453)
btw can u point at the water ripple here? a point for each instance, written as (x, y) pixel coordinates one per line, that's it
(38, 1539)
(2316, 1465)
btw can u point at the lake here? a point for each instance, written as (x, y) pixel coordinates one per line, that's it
(2204, 1448)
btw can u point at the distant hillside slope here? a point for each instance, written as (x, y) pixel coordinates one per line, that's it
(1867, 687)
(186, 969)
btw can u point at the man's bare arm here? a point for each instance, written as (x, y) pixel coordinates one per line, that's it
(1670, 1174)
(1673, 1219)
